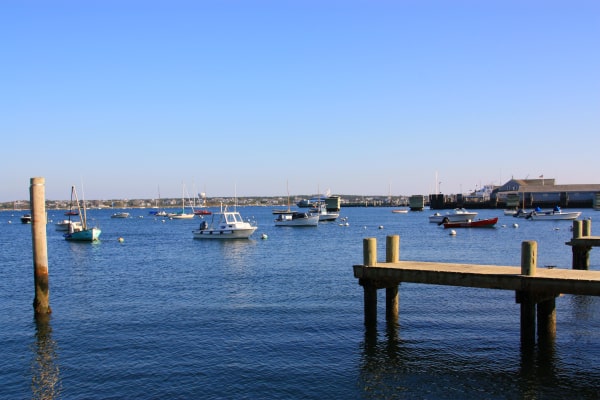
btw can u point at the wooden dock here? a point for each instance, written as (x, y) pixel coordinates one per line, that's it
(535, 289)
(561, 281)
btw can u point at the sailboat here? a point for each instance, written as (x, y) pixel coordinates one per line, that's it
(161, 212)
(288, 211)
(80, 231)
(182, 214)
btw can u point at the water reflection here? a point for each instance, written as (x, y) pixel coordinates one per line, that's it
(381, 359)
(392, 367)
(45, 381)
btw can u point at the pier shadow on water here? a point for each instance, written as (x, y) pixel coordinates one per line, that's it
(45, 371)
(392, 367)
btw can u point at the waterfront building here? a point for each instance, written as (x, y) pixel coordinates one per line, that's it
(545, 193)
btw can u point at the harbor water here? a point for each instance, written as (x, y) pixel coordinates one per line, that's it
(159, 315)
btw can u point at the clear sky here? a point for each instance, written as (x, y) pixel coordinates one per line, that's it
(254, 97)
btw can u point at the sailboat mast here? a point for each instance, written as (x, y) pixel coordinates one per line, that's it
(83, 216)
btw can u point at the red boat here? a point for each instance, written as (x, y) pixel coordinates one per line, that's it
(202, 212)
(480, 223)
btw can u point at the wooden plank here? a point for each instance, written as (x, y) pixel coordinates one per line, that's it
(554, 280)
(593, 241)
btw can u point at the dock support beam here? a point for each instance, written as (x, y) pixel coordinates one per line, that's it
(534, 304)
(581, 254)
(528, 267)
(546, 314)
(37, 194)
(370, 290)
(392, 254)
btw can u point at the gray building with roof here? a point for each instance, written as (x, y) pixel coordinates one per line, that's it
(546, 193)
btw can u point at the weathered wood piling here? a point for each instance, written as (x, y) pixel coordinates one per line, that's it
(535, 290)
(37, 194)
(582, 243)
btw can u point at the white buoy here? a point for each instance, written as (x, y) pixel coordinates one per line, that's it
(264, 236)
(515, 225)
(452, 232)
(121, 240)
(380, 226)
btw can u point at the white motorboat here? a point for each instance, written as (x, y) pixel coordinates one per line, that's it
(457, 215)
(324, 215)
(296, 218)
(555, 214)
(120, 215)
(225, 225)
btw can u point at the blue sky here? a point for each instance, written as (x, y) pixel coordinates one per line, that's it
(255, 97)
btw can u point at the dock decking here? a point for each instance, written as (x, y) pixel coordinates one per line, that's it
(561, 281)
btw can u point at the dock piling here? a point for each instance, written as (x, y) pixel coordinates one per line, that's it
(581, 252)
(526, 298)
(528, 257)
(37, 193)
(370, 289)
(392, 255)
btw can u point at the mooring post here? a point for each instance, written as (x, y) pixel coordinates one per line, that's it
(586, 229)
(528, 268)
(41, 302)
(392, 255)
(370, 290)
(577, 229)
(581, 254)
(546, 315)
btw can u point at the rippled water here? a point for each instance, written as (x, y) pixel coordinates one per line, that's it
(162, 315)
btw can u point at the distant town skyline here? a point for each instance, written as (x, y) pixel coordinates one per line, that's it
(131, 99)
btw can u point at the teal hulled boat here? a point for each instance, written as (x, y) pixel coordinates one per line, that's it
(81, 232)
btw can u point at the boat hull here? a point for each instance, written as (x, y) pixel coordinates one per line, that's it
(181, 216)
(224, 234)
(480, 223)
(551, 215)
(295, 220)
(120, 215)
(452, 217)
(86, 235)
(328, 216)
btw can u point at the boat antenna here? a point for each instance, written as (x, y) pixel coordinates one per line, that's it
(235, 197)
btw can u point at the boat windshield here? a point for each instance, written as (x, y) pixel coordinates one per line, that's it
(232, 218)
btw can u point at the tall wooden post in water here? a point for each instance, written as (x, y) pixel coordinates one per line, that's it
(392, 255)
(370, 287)
(370, 290)
(528, 267)
(37, 194)
(581, 253)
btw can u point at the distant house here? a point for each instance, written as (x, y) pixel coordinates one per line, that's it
(545, 193)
